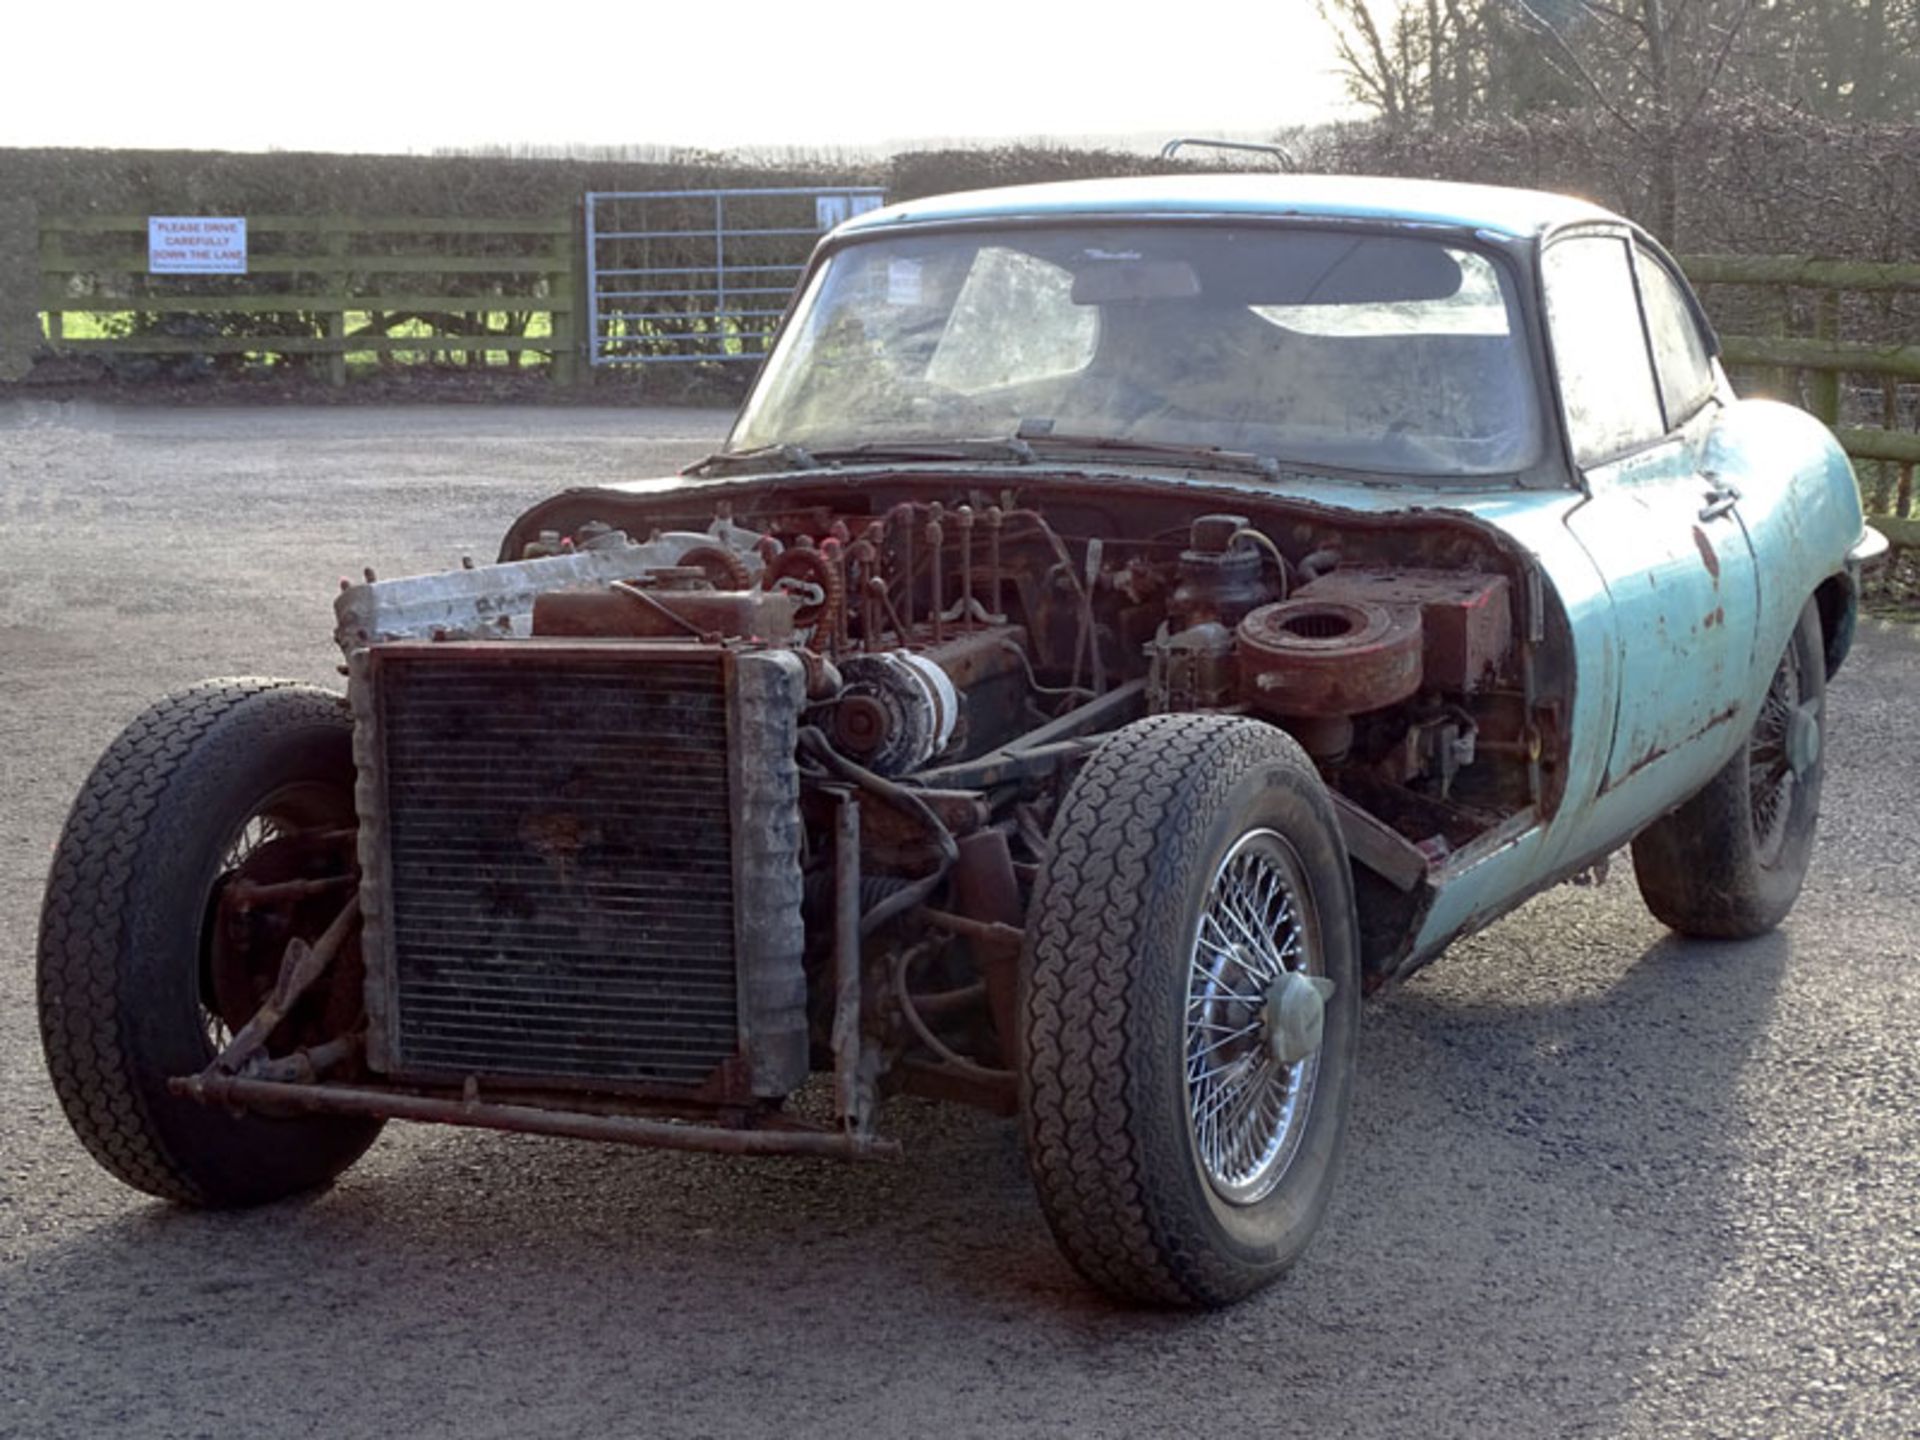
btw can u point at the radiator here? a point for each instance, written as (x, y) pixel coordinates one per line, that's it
(580, 864)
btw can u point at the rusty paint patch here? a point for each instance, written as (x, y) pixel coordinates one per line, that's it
(1707, 556)
(1716, 616)
(1634, 769)
(1657, 751)
(558, 837)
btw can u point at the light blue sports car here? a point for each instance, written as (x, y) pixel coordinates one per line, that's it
(1129, 621)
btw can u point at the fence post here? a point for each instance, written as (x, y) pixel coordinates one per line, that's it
(56, 319)
(22, 282)
(579, 263)
(564, 288)
(1826, 383)
(1785, 381)
(337, 319)
(1885, 471)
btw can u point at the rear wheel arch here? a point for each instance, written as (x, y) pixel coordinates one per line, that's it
(1838, 601)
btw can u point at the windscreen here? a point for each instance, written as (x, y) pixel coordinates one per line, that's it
(1373, 352)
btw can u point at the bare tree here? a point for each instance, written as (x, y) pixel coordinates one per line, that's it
(1413, 61)
(1650, 61)
(1377, 74)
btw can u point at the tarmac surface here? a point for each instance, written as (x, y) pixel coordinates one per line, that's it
(1601, 1182)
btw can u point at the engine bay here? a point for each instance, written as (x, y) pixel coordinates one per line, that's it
(975, 645)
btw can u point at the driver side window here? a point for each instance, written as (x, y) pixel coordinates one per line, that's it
(1686, 366)
(1600, 348)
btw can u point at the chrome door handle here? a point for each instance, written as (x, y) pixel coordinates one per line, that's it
(1721, 498)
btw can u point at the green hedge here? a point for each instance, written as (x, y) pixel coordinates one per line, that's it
(84, 182)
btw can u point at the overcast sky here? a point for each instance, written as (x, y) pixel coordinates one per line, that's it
(360, 75)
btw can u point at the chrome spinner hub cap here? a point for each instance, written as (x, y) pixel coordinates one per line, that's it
(1256, 1011)
(1803, 740)
(1295, 1015)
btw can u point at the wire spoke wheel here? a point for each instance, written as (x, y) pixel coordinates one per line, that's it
(254, 832)
(1246, 1106)
(1770, 775)
(1191, 1010)
(232, 984)
(1729, 862)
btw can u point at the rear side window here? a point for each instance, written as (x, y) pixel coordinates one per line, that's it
(1599, 348)
(1679, 349)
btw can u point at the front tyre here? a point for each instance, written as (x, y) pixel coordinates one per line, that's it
(1729, 863)
(192, 787)
(1190, 1011)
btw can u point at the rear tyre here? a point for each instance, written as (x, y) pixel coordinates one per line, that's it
(1185, 1088)
(125, 933)
(1729, 863)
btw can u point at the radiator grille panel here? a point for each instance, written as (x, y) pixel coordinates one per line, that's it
(561, 868)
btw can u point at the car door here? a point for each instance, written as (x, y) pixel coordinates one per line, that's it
(1637, 391)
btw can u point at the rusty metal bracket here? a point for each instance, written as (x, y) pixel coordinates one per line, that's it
(1040, 751)
(245, 894)
(299, 968)
(306, 1066)
(1378, 846)
(281, 1096)
(1000, 936)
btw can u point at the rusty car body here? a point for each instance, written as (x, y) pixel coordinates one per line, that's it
(1129, 620)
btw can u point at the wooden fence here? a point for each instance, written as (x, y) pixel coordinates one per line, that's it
(329, 286)
(335, 286)
(1816, 369)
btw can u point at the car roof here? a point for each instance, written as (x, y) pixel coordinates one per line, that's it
(1492, 208)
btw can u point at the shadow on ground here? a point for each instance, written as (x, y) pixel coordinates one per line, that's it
(491, 1285)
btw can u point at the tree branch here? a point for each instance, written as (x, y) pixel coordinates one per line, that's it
(1532, 19)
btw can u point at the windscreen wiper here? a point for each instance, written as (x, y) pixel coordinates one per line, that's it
(746, 462)
(1050, 441)
(1011, 448)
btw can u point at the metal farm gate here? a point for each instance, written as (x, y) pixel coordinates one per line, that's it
(701, 275)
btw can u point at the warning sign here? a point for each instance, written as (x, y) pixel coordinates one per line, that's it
(196, 245)
(830, 210)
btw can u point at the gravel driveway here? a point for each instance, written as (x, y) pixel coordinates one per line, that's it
(1602, 1182)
